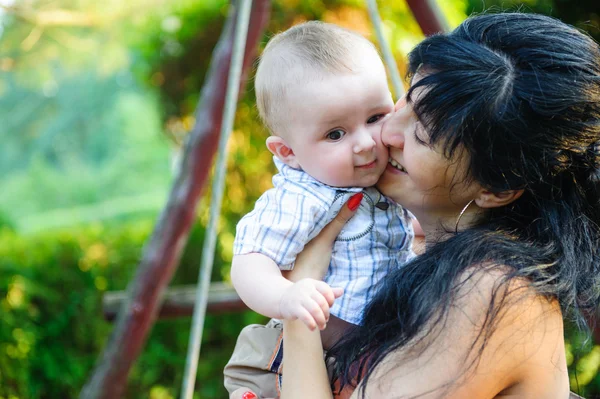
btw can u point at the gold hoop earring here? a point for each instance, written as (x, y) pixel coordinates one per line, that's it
(461, 214)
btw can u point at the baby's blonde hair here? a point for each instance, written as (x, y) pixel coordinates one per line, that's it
(297, 55)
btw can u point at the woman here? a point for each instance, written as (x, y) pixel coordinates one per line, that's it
(495, 151)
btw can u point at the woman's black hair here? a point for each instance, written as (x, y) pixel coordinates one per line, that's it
(519, 96)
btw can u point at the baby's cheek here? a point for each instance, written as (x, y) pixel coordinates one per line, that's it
(332, 171)
(340, 170)
(339, 158)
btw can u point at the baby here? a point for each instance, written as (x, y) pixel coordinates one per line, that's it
(322, 92)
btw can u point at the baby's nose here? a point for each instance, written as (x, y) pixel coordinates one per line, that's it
(364, 142)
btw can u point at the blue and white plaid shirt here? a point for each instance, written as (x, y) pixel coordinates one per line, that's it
(286, 217)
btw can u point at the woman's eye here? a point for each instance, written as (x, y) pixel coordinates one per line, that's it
(335, 135)
(375, 118)
(419, 132)
(419, 140)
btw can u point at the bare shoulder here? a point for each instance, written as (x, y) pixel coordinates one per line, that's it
(500, 337)
(490, 288)
(527, 341)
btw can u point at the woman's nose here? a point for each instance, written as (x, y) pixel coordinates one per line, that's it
(392, 133)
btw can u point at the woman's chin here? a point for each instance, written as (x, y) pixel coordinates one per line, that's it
(391, 185)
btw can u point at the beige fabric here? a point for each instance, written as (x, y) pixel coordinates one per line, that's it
(256, 362)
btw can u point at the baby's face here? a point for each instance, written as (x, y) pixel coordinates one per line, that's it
(334, 125)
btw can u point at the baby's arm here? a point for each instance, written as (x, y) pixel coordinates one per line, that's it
(267, 241)
(262, 287)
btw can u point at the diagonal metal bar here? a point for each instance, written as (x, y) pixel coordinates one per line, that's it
(208, 250)
(163, 251)
(388, 57)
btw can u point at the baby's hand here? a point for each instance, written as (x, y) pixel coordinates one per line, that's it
(309, 301)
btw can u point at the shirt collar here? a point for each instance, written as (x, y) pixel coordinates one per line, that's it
(299, 175)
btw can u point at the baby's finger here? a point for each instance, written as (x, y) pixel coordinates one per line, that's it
(316, 312)
(305, 317)
(338, 291)
(326, 291)
(322, 302)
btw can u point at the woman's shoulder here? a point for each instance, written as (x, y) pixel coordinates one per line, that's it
(527, 338)
(492, 287)
(524, 320)
(521, 352)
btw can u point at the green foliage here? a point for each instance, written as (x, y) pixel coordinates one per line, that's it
(50, 287)
(71, 157)
(52, 328)
(583, 359)
(92, 115)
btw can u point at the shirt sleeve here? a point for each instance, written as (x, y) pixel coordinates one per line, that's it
(282, 222)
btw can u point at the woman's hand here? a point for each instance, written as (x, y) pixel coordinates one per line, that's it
(314, 259)
(243, 393)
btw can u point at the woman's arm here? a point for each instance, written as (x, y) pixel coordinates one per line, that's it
(303, 365)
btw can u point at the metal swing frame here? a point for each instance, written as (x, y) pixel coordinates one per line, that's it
(141, 304)
(218, 182)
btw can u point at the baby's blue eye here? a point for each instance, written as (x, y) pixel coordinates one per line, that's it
(375, 118)
(335, 135)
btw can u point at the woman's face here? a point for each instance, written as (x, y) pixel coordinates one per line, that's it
(418, 176)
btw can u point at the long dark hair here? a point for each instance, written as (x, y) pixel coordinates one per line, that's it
(519, 94)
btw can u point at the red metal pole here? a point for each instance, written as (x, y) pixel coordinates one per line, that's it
(427, 18)
(161, 255)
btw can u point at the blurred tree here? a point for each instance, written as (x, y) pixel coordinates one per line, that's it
(94, 99)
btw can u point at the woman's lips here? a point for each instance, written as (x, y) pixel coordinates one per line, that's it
(395, 166)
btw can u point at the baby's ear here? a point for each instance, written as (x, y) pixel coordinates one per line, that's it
(281, 150)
